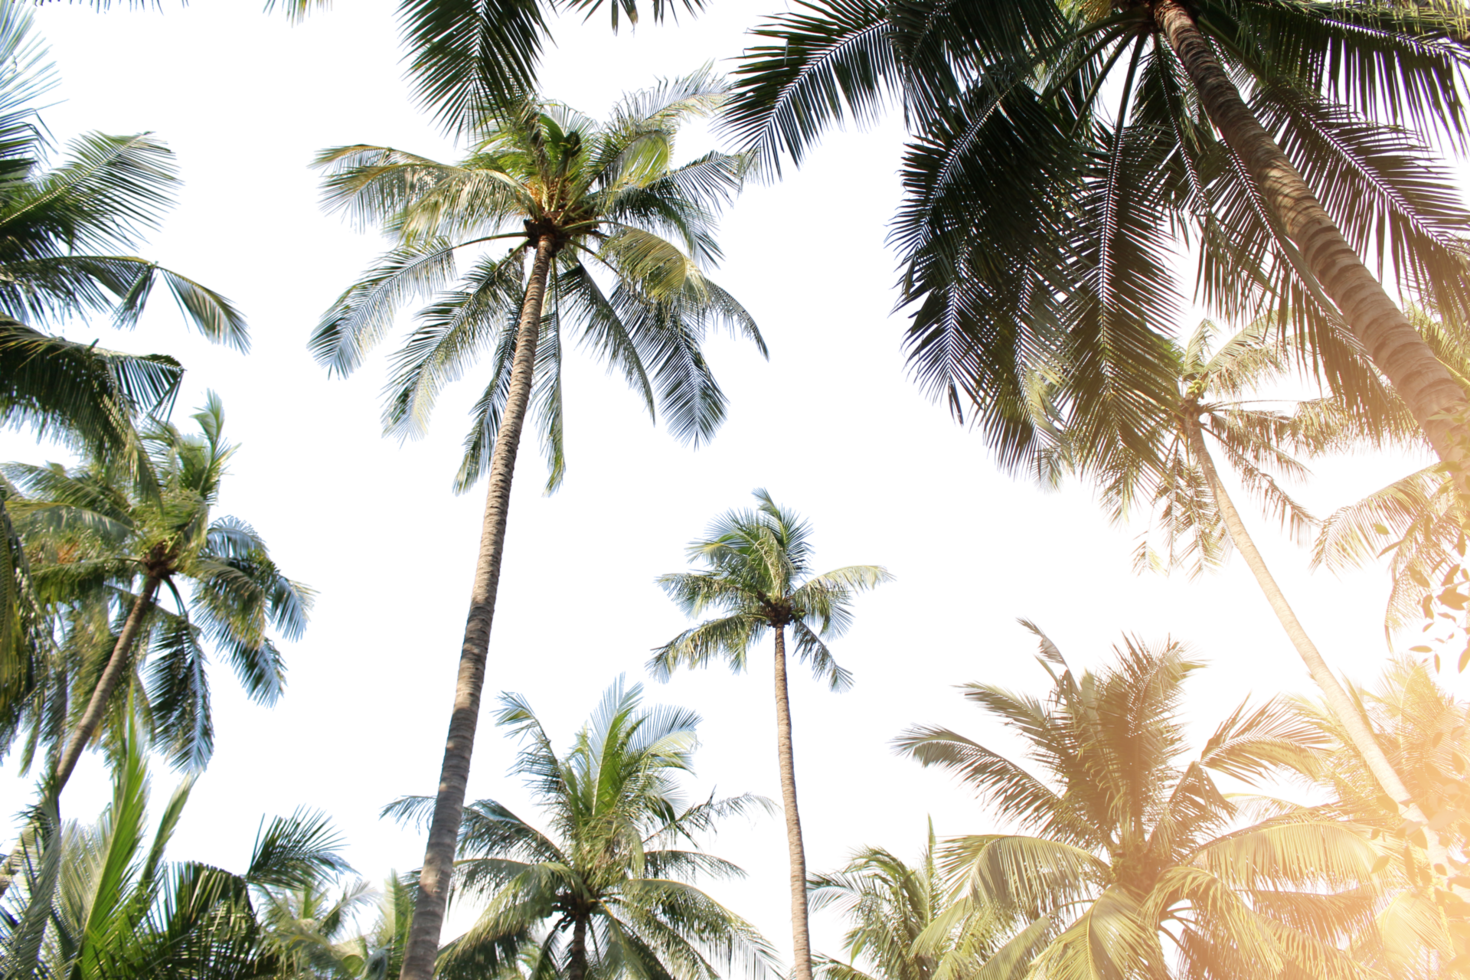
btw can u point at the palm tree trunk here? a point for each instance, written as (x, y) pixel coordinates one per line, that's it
(577, 953)
(106, 684)
(801, 941)
(428, 911)
(1339, 702)
(1392, 343)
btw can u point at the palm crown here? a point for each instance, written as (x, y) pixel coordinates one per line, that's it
(608, 891)
(100, 551)
(758, 573)
(1062, 152)
(610, 205)
(1123, 843)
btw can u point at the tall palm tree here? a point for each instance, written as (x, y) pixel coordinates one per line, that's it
(758, 574)
(609, 890)
(101, 554)
(102, 903)
(586, 202)
(1320, 160)
(1123, 846)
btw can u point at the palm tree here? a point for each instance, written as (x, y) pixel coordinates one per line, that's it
(101, 553)
(583, 200)
(1134, 105)
(1417, 520)
(1418, 935)
(758, 574)
(609, 891)
(1123, 846)
(904, 920)
(102, 903)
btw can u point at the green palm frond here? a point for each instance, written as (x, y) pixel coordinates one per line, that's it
(365, 311)
(450, 333)
(819, 63)
(615, 790)
(469, 60)
(297, 12)
(81, 392)
(294, 851)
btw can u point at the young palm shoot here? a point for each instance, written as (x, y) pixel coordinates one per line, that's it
(617, 238)
(610, 886)
(758, 574)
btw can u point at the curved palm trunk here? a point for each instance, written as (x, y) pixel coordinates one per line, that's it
(428, 910)
(1392, 343)
(801, 942)
(1341, 704)
(116, 664)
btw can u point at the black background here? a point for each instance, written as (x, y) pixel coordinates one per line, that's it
(829, 426)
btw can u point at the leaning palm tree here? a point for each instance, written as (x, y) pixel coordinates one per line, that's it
(101, 555)
(1423, 728)
(1122, 845)
(758, 574)
(592, 205)
(102, 903)
(609, 890)
(1320, 159)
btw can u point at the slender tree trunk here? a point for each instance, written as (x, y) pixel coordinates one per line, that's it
(106, 684)
(434, 880)
(1339, 702)
(801, 940)
(1392, 343)
(577, 953)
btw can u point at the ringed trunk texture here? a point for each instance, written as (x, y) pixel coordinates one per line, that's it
(112, 673)
(801, 942)
(428, 911)
(1339, 702)
(1392, 343)
(577, 953)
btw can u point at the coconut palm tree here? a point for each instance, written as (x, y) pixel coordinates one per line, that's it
(1318, 161)
(589, 204)
(608, 890)
(1128, 860)
(101, 554)
(1417, 934)
(102, 902)
(904, 920)
(758, 574)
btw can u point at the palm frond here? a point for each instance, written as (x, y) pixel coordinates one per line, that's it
(820, 63)
(471, 62)
(299, 849)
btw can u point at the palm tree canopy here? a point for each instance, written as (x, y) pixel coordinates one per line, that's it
(91, 539)
(67, 231)
(620, 855)
(1061, 158)
(1122, 842)
(103, 903)
(620, 215)
(758, 573)
(884, 907)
